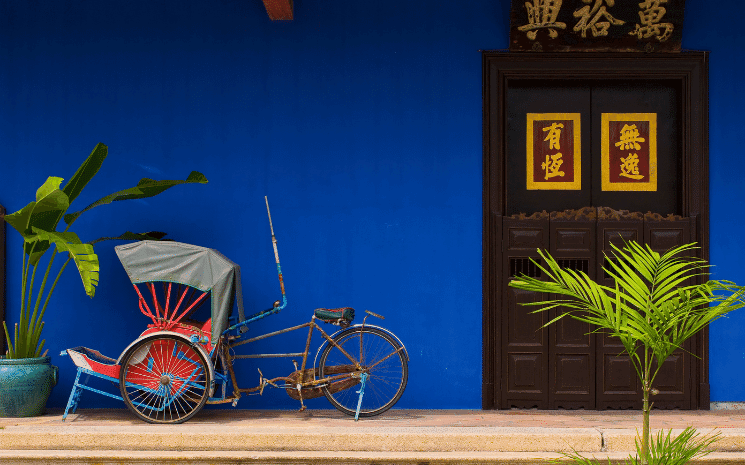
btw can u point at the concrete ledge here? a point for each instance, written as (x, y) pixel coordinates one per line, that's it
(727, 406)
(315, 457)
(372, 439)
(731, 439)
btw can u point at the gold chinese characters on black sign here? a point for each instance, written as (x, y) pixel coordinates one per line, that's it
(596, 25)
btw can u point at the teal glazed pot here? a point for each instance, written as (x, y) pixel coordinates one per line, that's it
(25, 386)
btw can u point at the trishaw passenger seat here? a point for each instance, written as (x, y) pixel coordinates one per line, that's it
(337, 316)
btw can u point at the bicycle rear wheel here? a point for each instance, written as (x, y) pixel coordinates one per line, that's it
(381, 356)
(164, 379)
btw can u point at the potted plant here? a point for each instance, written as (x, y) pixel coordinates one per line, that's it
(652, 310)
(26, 376)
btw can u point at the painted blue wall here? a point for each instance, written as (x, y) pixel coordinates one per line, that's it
(360, 120)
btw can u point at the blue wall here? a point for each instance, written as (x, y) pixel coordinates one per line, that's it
(360, 120)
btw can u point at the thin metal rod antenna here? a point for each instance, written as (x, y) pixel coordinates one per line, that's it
(270, 222)
(276, 255)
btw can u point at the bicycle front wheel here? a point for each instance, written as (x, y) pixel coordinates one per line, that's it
(380, 355)
(164, 379)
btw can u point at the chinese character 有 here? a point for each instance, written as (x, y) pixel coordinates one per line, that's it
(542, 15)
(554, 133)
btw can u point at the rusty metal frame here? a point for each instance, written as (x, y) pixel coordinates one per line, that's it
(299, 384)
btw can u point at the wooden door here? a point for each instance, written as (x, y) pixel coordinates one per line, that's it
(524, 340)
(617, 381)
(671, 86)
(567, 365)
(674, 379)
(572, 346)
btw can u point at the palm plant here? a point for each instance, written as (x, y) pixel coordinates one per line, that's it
(652, 309)
(37, 223)
(663, 450)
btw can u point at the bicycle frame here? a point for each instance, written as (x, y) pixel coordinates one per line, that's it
(224, 348)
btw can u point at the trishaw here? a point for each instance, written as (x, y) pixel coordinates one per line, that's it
(177, 365)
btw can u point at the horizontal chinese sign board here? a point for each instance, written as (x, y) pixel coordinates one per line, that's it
(628, 151)
(553, 151)
(596, 25)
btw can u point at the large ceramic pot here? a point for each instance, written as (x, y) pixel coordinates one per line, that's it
(25, 385)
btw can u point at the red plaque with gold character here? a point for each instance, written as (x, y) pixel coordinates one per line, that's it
(629, 151)
(553, 151)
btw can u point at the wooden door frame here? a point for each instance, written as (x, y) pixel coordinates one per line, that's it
(689, 70)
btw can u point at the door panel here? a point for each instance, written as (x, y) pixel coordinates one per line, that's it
(567, 365)
(663, 99)
(617, 383)
(558, 97)
(673, 381)
(525, 342)
(571, 343)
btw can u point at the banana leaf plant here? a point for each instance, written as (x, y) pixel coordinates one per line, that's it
(38, 223)
(652, 309)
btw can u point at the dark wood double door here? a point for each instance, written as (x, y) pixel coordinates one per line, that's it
(562, 366)
(566, 365)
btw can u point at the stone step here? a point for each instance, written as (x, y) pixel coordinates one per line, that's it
(118, 457)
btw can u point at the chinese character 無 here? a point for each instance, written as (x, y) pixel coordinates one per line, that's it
(591, 19)
(542, 15)
(630, 167)
(650, 17)
(629, 137)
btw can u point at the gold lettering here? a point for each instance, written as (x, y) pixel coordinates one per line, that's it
(552, 165)
(542, 15)
(650, 15)
(629, 138)
(554, 133)
(590, 18)
(630, 167)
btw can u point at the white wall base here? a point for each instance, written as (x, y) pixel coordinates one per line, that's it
(727, 405)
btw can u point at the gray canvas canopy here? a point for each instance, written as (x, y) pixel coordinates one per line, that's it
(199, 267)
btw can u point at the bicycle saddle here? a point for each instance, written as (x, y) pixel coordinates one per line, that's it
(337, 316)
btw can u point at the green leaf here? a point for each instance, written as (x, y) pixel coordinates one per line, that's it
(10, 353)
(82, 254)
(51, 203)
(86, 171)
(44, 213)
(144, 189)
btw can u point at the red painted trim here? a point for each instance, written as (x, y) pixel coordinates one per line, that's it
(151, 286)
(143, 303)
(279, 9)
(108, 370)
(168, 300)
(188, 309)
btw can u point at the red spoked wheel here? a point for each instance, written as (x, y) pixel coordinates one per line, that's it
(164, 379)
